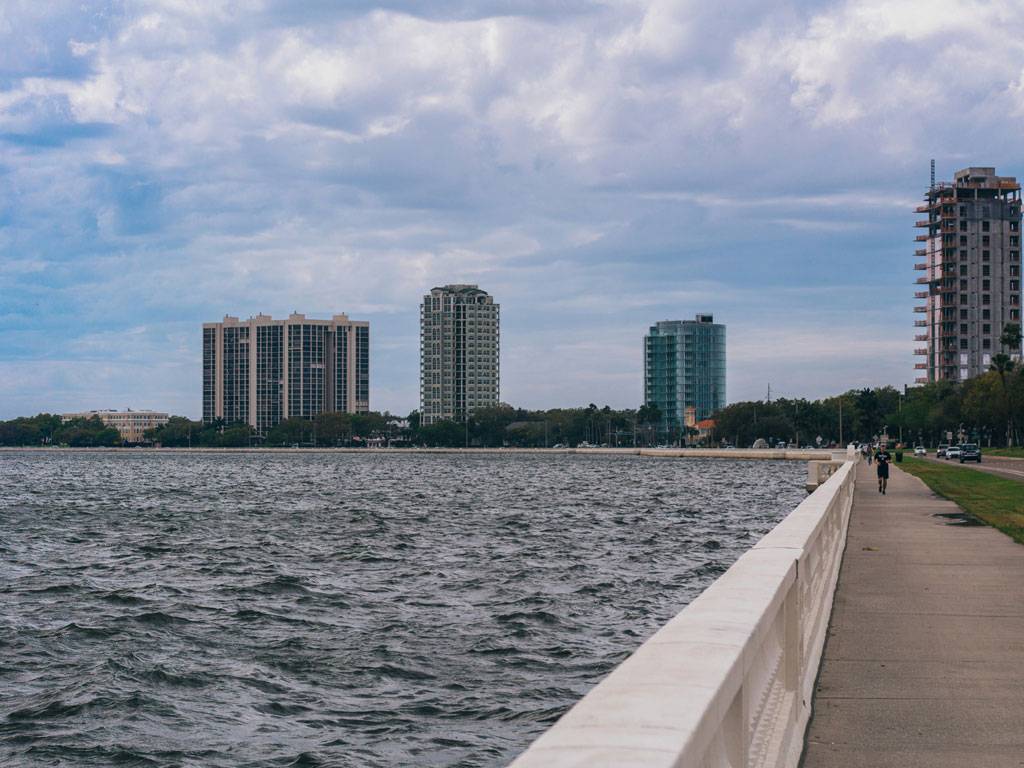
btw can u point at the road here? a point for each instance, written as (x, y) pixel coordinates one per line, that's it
(1012, 469)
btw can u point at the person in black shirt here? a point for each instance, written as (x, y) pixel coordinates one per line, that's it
(882, 459)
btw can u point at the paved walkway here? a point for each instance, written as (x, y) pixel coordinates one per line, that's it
(924, 664)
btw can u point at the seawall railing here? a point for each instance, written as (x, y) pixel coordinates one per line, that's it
(727, 682)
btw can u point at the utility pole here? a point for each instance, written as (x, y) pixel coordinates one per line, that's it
(841, 443)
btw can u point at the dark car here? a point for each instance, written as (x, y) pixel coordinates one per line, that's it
(970, 452)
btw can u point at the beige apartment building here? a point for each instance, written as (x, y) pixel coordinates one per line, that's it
(970, 286)
(131, 424)
(459, 346)
(261, 371)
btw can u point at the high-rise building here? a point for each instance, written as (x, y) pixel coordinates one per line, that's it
(459, 343)
(260, 371)
(684, 367)
(971, 273)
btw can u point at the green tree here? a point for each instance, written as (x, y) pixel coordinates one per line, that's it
(292, 431)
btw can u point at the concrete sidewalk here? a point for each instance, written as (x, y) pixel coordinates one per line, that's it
(924, 663)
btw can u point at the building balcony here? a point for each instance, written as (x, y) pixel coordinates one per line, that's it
(920, 294)
(921, 238)
(921, 310)
(921, 337)
(921, 366)
(921, 265)
(921, 252)
(920, 351)
(923, 280)
(925, 223)
(920, 323)
(924, 208)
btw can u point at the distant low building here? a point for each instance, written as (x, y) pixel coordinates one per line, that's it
(131, 424)
(705, 429)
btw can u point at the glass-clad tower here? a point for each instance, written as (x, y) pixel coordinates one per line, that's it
(684, 367)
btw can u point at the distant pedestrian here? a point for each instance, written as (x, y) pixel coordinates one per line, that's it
(882, 458)
(871, 453)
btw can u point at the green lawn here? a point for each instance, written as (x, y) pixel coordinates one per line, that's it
(1014, 453)
(994, 500)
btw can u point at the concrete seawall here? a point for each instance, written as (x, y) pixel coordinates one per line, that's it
(728, 682)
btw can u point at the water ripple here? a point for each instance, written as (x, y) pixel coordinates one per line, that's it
(323, 609)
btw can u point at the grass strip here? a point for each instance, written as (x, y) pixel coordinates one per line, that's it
(1010, 453)
(994, 500)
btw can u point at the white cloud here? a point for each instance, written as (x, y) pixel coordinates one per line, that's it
(596, 166)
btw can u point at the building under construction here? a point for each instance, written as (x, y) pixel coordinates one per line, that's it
(969, 260)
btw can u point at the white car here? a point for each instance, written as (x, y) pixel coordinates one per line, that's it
(953, 452)
(920, 451)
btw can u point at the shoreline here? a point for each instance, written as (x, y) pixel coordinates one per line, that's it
(681, 453)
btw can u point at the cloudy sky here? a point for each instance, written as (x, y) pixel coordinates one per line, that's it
(596, 165)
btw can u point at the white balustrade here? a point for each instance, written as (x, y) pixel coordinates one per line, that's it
(728, 682)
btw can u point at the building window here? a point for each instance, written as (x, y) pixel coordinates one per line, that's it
(963, 270)
(986, 343)
(985, 226)
(963, 226)
(963, 327)
(963, 210)
(963, 314)
(1014, 298)
(986, 328)
(986, 255)
(985, 240)
(963, 285)
(986, 314)
(986, 285)
(963, 298)
(963, 343)
(1015, 314)
(963, 240)
(986, 299)
(986, 270)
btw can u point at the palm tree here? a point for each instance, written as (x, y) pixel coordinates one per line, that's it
(1002, 364)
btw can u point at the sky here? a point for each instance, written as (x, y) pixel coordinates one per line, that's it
(595, 166)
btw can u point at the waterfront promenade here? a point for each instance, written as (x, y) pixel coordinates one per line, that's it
(922, 666)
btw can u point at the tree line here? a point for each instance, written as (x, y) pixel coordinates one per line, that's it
(988, 409)
(49, 429)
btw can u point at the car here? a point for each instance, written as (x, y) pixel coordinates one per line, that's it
(920, 451)
(953, 452)
(970, 452)
(940, 452)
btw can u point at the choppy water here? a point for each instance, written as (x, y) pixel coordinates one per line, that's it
(337, 609)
